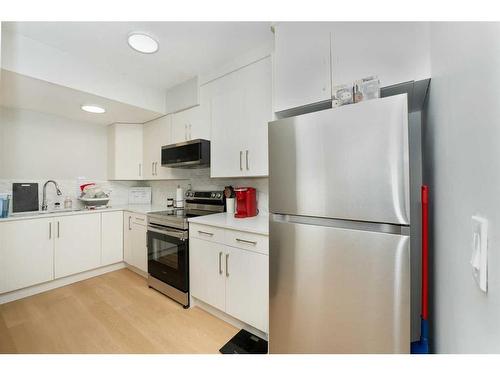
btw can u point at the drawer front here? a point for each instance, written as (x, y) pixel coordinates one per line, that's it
(139, 219)
(206, 232)
(247, 241)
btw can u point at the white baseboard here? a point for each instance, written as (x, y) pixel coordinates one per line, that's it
(35, 289)
(228, 318)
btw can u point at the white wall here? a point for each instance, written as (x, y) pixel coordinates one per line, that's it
(34, 145)
(462, 166)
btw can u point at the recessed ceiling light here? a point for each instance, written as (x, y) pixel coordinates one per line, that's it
(142, 42)
(93, 109)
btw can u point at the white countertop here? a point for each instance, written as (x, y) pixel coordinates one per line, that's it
(137, 208)
(258, 224)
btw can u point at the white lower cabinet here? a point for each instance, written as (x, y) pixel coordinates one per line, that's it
(247, 286)
(127, 237)
(111, 237)
(207, 276)
(139, 247)
(231, 279)
(135, 252)
(26, 253)
(78, 244)
(35, 251)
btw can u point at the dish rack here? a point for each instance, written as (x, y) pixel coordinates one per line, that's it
(92, 196)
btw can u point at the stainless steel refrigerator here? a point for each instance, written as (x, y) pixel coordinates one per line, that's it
(339, 230)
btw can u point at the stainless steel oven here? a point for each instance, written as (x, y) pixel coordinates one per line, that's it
(168, 260)
(168, 243)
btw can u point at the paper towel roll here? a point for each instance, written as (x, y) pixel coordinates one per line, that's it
(179, 197)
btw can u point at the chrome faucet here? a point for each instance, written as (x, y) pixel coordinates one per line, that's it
(44, 199)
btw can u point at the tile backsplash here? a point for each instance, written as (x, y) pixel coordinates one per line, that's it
(200, 180)
(118, 190)
(161, 190)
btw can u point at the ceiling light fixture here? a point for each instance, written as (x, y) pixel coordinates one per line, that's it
(92, 109)
(142, 42)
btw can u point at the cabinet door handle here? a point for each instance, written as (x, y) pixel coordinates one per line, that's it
(185, 132)
(153, 168)
(156, 168)
(140, 169)
(190, 132)
(206, 233)
(246, 159)
(57, 229)
(129, 226)
(220, 262)
(227, 265)
(246, 241)
(50, 230)
(241, 157)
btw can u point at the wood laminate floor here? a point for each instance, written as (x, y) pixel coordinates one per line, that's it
(112, 313)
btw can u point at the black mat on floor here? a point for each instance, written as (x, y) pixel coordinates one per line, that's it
(245, 343)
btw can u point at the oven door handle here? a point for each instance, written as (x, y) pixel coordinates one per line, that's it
(180, 235)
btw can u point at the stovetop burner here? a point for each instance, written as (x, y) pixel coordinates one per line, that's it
(197, 204)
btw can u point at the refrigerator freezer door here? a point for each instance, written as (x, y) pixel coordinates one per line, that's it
(337, 290)
(349, 162)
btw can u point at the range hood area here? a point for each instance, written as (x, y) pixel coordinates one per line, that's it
(188, 155)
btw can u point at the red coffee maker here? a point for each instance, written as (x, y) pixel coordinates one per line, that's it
(246, 202)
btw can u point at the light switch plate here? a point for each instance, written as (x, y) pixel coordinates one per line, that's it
(479, 256)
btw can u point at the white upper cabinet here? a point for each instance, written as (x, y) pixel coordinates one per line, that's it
(179, 128)
(394, 51)
(240, 109)
(302, 71)
(189, 124)
(226, 150)
(125, 144)
(157, 133)
(310, 59)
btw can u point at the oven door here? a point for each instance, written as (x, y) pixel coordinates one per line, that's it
(168, 256)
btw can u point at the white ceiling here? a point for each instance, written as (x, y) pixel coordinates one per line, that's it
(19, 91)
(186, 48)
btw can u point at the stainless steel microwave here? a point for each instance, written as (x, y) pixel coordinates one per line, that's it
(190, 154)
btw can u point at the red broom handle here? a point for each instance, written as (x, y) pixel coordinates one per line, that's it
(425, 251)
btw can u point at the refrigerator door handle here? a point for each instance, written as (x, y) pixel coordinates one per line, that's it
(342, 224)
